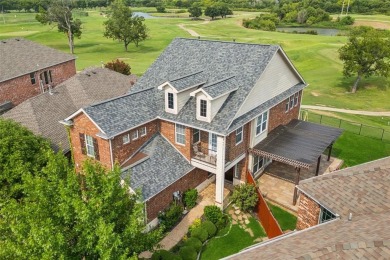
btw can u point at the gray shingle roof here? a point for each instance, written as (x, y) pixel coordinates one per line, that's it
(363, 190)
(221, 87)
(164, 166)
(216, 60)
(189, 80)
(41, 113)
(20, 57)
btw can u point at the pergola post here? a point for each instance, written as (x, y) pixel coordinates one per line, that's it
(295, 198)
(330, 151)
(318, 165)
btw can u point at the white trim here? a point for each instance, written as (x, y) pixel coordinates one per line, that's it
(146, 131)
(82, 111)
(132, 132)
(180, 134)
(162, 86)
(229, 165)
(292, 65)
(242, 135)
(128, 139)
(193, 94)
(111, 156)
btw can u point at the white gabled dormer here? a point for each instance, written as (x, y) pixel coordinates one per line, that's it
(210, 98)
(177, 91)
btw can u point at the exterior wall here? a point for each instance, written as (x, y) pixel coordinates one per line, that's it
(20, 89)
(276, 78)
(121, 152)
(233, 150)
(279, 116)
(308, 212)
(257, 139)
(82, 124)
(162, 200)
(167, 129)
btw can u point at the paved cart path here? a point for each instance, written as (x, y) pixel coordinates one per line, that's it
(347, 111)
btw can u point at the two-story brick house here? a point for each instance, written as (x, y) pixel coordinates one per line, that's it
(28, 69)
(193, 114)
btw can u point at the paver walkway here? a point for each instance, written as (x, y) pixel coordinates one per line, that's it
(347, 111)
(206, 197)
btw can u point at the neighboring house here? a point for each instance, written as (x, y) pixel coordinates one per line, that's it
(342, 215)
(28, 69)
(192, 117)
(42, 113)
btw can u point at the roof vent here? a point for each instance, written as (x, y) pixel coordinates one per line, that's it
(350, 216)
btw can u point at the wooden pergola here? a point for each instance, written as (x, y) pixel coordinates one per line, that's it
(299, 144)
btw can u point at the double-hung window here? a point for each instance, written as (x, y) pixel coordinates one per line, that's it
(203, 108)
(195, 135)
(257, 163)
(134, 135)
(142, 131)
(170, 101)
(291, 102)
(296, 96)
(126, 139)
(180, 134)
(261, 123)
(239, 134)
(32, 77)
(89, 146)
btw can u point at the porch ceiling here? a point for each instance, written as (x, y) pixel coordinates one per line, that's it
(298, 143)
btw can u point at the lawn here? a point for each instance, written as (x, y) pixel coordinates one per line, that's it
(286, 220)
(236, 240)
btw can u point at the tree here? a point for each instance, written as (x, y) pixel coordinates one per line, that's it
(245, 196)
(65, 215)
(122, 26)
(21, 154)
(195, 11)
(60, 13)
(212, 11)
(366, 53)
(224, 10)
(118, 66)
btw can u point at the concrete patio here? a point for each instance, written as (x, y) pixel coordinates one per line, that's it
(277, 183)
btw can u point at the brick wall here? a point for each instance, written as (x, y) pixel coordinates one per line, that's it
(308, 212)
(82, 124)
(20, 89)
(122, 151)
(168, 131)
(233, 150)
(162, 200)
(278, 116)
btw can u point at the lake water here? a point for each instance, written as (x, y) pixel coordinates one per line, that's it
(144, 15)
(320, 31)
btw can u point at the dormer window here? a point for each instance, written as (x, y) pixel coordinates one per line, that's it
(203, 108)
(170, 101)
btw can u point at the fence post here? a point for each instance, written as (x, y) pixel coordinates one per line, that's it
(320, 119)
(340, 123)
(383, 132)
(360, 128)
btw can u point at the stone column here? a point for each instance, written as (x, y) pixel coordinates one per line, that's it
(220, 171)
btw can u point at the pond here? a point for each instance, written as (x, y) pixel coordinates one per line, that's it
(144, 15)
(320, 31)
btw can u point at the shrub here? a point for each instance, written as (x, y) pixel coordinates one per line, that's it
(171, 216)
(165, 255)
(195, 224)
(118, 66)
(212, 213)
(190, 197)
(209, 227)
(221, 223)
(188, 253)
(346, 20)
(200, 233)
(266, 22)
(160, 9)
(245, 196)
(194, 242)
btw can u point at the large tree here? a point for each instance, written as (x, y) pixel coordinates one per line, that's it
(68, 215)
(123, 26)
(60, 13)
(366, 53)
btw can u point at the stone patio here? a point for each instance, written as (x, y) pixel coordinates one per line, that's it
(277, 183)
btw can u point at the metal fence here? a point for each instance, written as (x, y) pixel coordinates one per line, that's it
(353, 127)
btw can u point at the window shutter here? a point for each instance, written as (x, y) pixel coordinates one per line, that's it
(96, 149)
(82, 142)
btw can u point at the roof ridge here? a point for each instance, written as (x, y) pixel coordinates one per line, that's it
(232, 42)
(218, 81)
(187, 75)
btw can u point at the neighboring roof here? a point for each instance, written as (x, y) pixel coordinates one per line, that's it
(164, 166)
(216, 59)
(363, 190)
(20, 57)
(41, 113)
(299, 143)
(189, 80)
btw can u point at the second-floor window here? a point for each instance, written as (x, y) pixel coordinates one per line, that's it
(195, 135)
(261, 123)
(239, 134)
(126, 139)
(134, 135)
(170, 101)
(203, 108)
(142, 131)
(180, 134)
(90, 149)
(32, 77)
(296, 96)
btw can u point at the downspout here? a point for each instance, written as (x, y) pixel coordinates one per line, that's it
(112, 159)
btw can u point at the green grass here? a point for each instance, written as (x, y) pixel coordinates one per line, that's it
(236, 240)
(286, 220)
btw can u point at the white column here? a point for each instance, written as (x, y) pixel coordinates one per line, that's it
(220, 171)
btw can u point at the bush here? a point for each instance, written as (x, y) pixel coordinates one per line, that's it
(194, 242)
(197, 222)
(188, 252)
(221, 223)
(213, 213)
(200, 233)
(346, 20)
(171, 216)
(209, 227)
(266, 22)
(190, 197)
(160, 9)
(165, 255)
(118, 66)
(245, 196)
